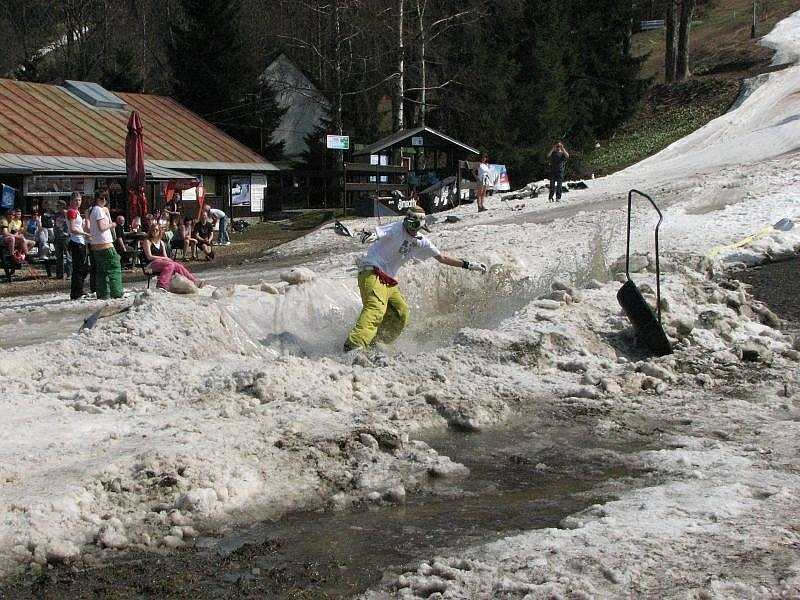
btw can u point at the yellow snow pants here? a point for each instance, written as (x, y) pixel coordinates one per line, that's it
(384, 313)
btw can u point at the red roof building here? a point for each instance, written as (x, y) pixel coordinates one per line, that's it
(55, 139)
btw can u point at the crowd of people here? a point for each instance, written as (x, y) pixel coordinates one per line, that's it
(86, 242)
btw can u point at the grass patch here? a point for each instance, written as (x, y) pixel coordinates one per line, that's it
(720, 41)
(267, 234)
(722, 54)
(667, 114)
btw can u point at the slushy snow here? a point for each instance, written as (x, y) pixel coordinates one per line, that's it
(195, 413)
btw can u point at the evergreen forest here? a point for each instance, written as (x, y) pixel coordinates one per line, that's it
(510, 77)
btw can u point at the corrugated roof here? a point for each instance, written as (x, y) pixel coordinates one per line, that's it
(407, 134)
(25, 164)
(47, 120)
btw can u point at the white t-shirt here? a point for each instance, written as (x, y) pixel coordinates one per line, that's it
(484, 174)
(395, 247)
(78, 221)
(95, 235)
(218, 213)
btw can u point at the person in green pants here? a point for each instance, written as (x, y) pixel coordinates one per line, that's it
(106, 259)
(384, 313)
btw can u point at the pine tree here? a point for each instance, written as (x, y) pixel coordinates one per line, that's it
(216, 76)
(605, 76)
(209, 64)
(123, 74)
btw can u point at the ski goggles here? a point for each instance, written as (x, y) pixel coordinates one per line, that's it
(414, 222)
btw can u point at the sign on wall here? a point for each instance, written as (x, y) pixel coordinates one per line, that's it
(417, 140)
(7, 196)
(498, 178)
(338, 142)
(189, 195)
(49, 185)
(240, 190)
(258, 189)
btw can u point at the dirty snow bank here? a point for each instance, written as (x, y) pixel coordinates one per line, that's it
(173, 418)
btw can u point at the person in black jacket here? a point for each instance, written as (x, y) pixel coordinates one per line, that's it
(203, 233)
(558, 162)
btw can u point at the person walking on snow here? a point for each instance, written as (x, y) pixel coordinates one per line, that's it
(484, 179)
(558, 161)
(385, 312)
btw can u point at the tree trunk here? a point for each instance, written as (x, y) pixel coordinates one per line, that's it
(337, 69)
(421, 6)
(144, 50)
(682, 62)
(401, 79)
(671, 42)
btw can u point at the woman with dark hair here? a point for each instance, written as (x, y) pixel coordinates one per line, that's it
(105, 259)
(558, 161)
(156, 252)
(78, 245)
(484, 177)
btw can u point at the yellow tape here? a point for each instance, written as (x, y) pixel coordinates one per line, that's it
(717, 250)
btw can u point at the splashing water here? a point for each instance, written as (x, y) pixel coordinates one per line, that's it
(312, 319)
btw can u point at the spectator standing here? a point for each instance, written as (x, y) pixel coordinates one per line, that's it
(106, 259)
(558, 162)
(78, 247)
(484, 177)
(218, 217)
(47, 220)
(203, 234)
(173, 209)
(158, 261)
(126, 252)
(61, 240)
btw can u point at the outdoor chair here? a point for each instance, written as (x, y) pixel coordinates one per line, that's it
(174, 249)
(148, 274)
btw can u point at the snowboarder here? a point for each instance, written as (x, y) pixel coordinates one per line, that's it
(385, 312)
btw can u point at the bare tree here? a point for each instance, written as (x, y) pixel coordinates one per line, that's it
(671, 41)
(429, 28)
(682, 63)
(401, 67)
(678, 28)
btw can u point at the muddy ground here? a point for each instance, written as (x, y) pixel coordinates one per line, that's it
(778, 285)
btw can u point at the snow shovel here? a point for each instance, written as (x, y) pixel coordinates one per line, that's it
(107, 311)
(647, 325)
(341, 229)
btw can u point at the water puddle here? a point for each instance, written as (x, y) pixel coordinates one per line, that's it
(519, 480)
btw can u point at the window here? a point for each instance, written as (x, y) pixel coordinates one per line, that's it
(210, 185)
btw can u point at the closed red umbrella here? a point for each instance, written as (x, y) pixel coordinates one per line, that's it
(134, 164)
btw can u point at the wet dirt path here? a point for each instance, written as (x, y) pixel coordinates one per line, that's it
(518, 481)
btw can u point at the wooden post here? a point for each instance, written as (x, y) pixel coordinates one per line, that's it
(344, 192)
(458, 183)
